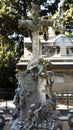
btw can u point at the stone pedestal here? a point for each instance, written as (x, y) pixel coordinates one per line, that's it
(33, 109)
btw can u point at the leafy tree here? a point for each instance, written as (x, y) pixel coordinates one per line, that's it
(10, 43)
(66, 16)
(8, 17)
(8, 59)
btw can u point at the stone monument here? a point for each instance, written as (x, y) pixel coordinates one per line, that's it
(35, 110)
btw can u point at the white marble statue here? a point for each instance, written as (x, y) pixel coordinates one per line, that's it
(35, 26)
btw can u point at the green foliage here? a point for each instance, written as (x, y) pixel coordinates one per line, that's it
(9, 49)
(8, 59)
(67, 16)
(8, 17)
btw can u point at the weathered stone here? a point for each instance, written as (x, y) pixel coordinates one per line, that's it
(34, 110)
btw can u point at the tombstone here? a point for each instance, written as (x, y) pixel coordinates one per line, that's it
(30, 98)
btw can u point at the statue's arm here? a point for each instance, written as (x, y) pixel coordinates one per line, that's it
(26, 24)
(40, 71)
(48, 23)
(22, 23)
(45, 24)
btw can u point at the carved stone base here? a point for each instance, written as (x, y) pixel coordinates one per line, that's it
(33, 110)
(38, 118)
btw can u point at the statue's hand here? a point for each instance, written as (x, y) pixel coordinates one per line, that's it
(21, 23)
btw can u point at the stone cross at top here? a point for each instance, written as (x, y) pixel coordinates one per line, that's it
(35, 25)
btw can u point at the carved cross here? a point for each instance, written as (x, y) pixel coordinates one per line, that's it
(34, 26)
